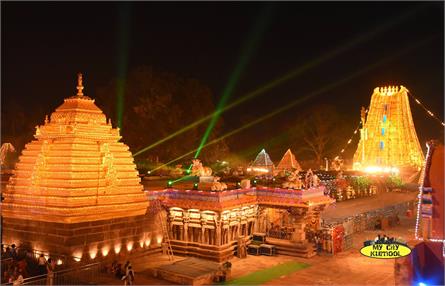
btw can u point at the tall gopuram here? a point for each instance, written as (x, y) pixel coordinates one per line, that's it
(388, 139)
(75, 190)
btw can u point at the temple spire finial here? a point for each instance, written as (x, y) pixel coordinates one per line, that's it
(79, 85)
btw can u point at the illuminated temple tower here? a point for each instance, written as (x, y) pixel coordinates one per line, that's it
(75, 189)
(388, 137)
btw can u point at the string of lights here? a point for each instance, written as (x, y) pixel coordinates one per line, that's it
(350, 139)
(429, 112)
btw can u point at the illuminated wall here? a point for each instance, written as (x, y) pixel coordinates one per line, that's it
(388, 137)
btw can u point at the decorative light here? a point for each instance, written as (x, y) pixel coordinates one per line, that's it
(169, 184)
(426, 109)
(159, 239)
(195, 186)
(93, 252)
(117, 248)
(380, 169)
(258, 169)
(105, 250)
(147, 242)
(77, 255)
(130, 245)
(59, 261)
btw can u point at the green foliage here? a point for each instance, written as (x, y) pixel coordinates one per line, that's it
(360, 183)
(269, 274)
(394, 182)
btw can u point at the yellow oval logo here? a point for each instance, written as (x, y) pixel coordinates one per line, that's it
(385, 251)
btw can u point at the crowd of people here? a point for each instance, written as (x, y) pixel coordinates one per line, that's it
(385, 240)
(19, 264)
(125, 273)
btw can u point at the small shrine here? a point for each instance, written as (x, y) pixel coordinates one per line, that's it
(262, 165)
(288, 163)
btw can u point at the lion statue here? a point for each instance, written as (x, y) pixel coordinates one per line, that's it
(199, 170)
(217, 185)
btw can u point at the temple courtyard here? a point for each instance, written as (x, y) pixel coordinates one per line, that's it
(348, 267)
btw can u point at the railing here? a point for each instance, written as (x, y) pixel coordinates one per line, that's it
(83, 275)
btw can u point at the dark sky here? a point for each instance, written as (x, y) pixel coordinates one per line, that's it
(44, 44)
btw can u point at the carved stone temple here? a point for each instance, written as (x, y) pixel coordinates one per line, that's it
(75, 190)
(213, 224)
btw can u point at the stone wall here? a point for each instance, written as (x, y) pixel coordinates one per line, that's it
(118, 238)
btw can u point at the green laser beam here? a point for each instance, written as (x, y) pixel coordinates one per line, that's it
(259, 28)
(304, 98)
(341, 49)
(122, 59)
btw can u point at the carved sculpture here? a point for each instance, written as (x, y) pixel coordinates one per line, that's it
(199, 170)
(293, 181)
(218, 186)
(309, 179)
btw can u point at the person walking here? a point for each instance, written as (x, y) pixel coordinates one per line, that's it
(129, 276)
(50, 266)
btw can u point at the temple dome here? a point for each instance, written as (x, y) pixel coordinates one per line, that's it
(75, 170)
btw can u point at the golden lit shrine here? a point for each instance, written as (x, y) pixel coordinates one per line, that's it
(288, 162)
(74, 173)
(388, 138)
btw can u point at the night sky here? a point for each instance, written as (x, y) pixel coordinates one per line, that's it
(44, 45)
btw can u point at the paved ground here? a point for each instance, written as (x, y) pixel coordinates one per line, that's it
(346, 268)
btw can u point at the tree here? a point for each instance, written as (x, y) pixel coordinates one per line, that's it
(320, 131)
(157, 104)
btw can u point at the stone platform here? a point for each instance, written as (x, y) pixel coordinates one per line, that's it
(190, 271)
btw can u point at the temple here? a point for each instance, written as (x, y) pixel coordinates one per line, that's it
(215, 225)
(388, 138)
(76, 192)
(75, 187)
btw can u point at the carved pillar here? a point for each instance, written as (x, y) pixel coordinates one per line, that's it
(259, 223)
(217, 230)
(185, 221)
(298, 215)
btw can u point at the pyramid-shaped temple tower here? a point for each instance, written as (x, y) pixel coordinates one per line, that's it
(262, 163)
(288, 162)
(75, 186)
(388, 137)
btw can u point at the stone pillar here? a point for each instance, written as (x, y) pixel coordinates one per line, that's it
(299, 217)
(217, 231)
(185, 226)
